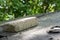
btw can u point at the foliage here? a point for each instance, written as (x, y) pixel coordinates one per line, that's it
(10, 9)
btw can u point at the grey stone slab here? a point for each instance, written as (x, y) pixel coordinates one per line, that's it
(40, 32)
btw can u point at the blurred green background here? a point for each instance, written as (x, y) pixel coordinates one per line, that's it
(11, 9)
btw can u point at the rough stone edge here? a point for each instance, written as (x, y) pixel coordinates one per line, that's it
(9, 23)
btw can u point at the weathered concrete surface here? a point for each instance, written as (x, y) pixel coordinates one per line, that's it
(50, 20)
(39, 32)
(19, 24)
